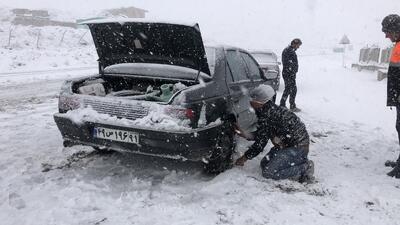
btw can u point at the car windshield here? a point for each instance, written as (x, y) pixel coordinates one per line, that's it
(264, 57)
(210, 53)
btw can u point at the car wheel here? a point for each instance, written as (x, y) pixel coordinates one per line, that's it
(221, 157)
(276, 85)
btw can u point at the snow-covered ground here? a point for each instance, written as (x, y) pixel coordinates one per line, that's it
(42, 183)
(352, 135)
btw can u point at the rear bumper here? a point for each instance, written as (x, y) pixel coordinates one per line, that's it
(194, 145)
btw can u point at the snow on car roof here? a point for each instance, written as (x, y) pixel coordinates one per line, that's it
(215, 44)
(262, 51)
(224, 46)
(138, 20)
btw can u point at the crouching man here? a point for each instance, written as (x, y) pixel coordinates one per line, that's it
(288, 158)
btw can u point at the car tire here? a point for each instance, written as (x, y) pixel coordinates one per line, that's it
(276, 85)
(221, 157)
(274, 99)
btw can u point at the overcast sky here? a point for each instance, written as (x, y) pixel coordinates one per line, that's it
(255, 23)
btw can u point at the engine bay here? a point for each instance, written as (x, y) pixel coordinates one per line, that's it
(129, 88)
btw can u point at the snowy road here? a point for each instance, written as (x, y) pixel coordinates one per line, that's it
(352, 135)
(30, 73)
(15, 95)
(35, 86)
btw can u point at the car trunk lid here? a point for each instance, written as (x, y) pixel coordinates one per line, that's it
(136, 41)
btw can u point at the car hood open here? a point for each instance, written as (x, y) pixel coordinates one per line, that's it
(148, 42)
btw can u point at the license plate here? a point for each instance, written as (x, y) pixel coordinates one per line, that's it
(116, 135)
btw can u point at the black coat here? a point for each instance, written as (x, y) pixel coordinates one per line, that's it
(393, 81)
(289, 61)
(276, 121)
(393, 86)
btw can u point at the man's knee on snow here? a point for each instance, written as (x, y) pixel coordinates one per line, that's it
(270, 173)
(291, 172)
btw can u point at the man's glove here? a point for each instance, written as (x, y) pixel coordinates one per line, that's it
(246, 135)
(240, 161)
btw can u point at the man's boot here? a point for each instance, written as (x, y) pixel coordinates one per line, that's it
(390, 163)
(308, 175)
(395, 172)
(294, 108)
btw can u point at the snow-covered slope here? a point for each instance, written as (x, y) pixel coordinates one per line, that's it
(41, 48)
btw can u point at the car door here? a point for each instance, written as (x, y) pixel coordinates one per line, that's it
(239, 88)
(255, 74)
(253, 69)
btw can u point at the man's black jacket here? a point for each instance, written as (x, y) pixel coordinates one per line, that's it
(276, 121)
(393, 86)
(289, 61)
(393, 81)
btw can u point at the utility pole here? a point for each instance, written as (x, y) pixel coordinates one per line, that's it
(62, 38)
(10, 36)
(38, 39)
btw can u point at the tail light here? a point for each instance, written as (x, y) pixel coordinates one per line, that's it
(181, 113)
(66, 103)
(189, 113)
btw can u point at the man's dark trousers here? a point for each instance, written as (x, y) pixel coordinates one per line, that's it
(284, 163)
(396, 170)
(398, 127)
(290, 89)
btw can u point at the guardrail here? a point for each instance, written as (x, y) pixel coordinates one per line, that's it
(374, 59)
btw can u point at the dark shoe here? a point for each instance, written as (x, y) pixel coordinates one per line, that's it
(395, 172)
(295, 109)
(308, 175)
(390, 163)
(283, 105)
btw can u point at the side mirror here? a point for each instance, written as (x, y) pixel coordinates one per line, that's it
(271, 74)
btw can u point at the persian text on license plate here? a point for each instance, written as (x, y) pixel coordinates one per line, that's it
(116, 135)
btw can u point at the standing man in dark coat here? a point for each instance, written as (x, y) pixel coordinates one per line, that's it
(290, 68)
(391, 28)
(288, 158)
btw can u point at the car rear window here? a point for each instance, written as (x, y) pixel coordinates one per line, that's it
(210, 54)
